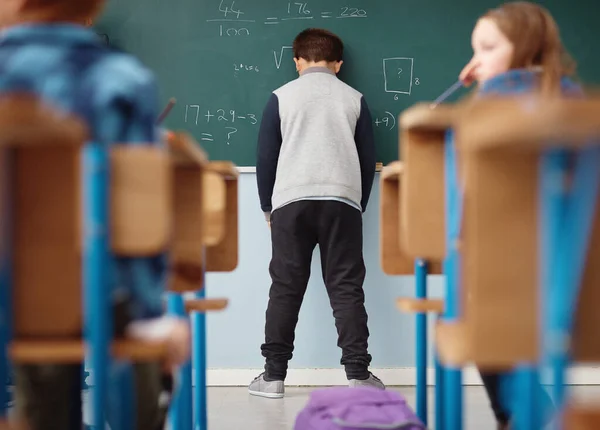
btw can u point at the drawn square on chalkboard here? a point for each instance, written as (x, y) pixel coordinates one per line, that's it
(398, 75)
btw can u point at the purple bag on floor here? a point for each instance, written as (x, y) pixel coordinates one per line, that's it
(357, 408)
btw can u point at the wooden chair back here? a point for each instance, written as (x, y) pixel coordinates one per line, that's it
(41, 234)
(394, 261)
(500, 142)
(189, 164)
(41, 188)
(223, 256)
(422, 135)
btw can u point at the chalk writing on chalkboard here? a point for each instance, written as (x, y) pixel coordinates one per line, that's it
(193, 115)
(233, 24)
(209, 137)
(387, 121)
(398, 75)
(279, 55)
(232, 32)
(241, 67)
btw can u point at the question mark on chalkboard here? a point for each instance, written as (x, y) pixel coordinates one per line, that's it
(230, 133)
(399, 73)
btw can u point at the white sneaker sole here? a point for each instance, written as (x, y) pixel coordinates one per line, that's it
(266, 395)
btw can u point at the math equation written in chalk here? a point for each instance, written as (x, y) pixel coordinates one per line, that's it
(229, 119)
(232, 20)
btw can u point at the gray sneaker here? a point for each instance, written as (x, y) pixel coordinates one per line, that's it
(372, 381)
(269, 389)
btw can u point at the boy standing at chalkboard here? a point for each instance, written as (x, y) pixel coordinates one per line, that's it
(315, 169)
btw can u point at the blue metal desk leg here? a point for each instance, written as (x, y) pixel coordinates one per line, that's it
(552, 203)
(568, 258)
(526, 416)
(180, 415)
(453, 394)
(98, 312)
(453, 401)
(199, 357)
(5, 276)
(421, 293)
(439, 394)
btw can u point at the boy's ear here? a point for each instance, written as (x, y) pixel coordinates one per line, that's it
(338, 66)
(297, 62)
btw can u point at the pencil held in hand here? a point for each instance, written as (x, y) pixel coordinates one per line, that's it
(166, 111)
(447, 94)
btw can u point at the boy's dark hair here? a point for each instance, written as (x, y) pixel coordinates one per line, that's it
(315, 44)
(67, 9)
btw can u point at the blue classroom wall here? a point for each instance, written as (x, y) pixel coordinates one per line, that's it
(235, 336)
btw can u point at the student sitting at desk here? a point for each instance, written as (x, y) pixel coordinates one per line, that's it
(315, 170)
(517, 50)
(46, 51)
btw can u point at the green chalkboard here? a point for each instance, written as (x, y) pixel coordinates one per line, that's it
(222, 58)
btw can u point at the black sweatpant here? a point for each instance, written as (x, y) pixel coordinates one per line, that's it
(296, 229)
(492, 384)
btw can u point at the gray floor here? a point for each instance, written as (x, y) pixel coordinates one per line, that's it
(233, 408)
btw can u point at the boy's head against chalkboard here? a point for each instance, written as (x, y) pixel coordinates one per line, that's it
(518, 35)
(14, 12)
(316, 47)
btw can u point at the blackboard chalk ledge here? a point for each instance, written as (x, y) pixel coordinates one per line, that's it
(251, 169)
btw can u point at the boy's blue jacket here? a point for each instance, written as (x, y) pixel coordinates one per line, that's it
(71, 68)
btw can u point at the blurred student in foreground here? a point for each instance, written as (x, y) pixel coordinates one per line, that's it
(47, 51)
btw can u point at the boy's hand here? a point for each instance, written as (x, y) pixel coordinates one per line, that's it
(178, 343)
(173, 331)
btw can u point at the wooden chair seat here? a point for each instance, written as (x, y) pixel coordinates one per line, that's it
(206, 305)
(25, 127)
(74, 351)
(422, 134)
(185, 151)
(411, 305)
(582, 417)
(529, 123)
(11, 425)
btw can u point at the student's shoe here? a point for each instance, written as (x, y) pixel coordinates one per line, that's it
(371, 381)
(269, 389)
